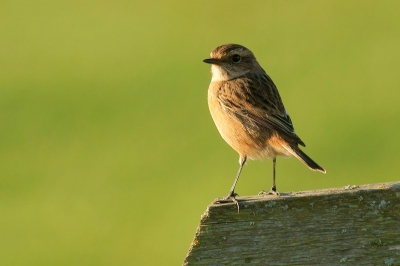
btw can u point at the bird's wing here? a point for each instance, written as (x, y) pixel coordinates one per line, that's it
(282, 124)
(259, 100)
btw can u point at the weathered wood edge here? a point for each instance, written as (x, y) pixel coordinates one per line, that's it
(248, 201)
(310, 193)
(215, 209)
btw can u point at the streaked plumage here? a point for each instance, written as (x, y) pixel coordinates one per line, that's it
(248, 110)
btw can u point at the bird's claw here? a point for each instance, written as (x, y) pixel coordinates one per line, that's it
(230, 198)
(271, 192)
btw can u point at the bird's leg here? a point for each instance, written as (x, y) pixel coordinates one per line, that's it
(231, 195)
(272, 191)
(273, 188)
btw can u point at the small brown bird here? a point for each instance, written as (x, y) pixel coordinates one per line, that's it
(248, 111)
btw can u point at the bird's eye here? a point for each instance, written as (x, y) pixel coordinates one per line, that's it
(236, 58)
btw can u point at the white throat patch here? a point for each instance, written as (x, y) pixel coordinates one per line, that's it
(219, 74)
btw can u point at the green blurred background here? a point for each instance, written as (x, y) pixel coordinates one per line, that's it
(108, 153)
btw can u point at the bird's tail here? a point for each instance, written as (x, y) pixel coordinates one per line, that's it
(299, 154)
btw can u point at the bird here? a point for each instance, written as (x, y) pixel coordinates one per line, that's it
(249, 113)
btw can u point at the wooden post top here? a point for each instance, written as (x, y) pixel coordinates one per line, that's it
(357, 225)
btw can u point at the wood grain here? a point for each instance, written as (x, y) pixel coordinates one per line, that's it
(353, 225)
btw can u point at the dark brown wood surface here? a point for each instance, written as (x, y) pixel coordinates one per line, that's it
(352, 225)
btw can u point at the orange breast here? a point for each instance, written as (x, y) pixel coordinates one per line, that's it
(233, 131)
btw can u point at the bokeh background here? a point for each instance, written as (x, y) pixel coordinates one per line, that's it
(108, 153)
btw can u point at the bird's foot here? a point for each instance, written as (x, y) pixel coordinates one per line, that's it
(231, 197)
(272, 191)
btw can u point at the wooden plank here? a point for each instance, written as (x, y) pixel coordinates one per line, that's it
(358, 225)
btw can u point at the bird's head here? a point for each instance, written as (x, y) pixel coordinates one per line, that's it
(230, 61)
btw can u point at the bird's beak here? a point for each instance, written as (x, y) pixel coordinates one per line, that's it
(211, 61)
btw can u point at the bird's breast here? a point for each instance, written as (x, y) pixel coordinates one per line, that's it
(234, 131)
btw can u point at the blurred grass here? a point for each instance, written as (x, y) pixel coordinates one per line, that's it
(108, 153)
